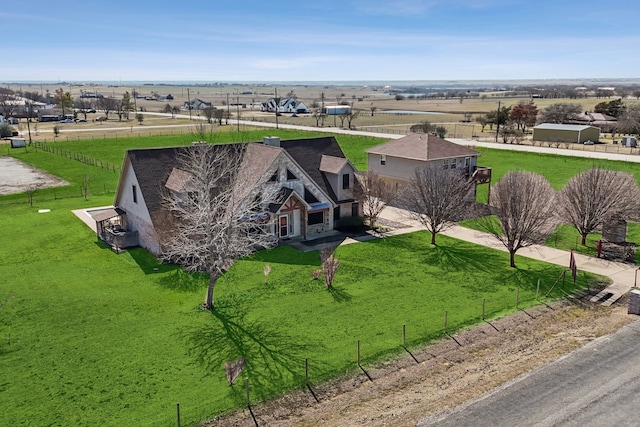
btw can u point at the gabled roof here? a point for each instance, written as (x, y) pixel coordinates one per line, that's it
(332, 164)
(423, 147)
(178, 179)
(308, 154)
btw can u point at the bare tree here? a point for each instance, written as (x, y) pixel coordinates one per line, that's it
(107, 105)
(208, 113)
(629, 122)
(329, 265)
(8, 104)
(169, 109)
(330, 268)
(437, 197)
(218, 218)
(374, 194)
(424, 127)
(523, 204)
(83, 105)
(561, 112)
(592, 195)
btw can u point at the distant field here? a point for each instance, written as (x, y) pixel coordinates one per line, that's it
(364, 99)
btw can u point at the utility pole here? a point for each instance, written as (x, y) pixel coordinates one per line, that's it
(228, 112)
(238, 112)
(322, 108)
(277, 102)
(498, 122)
(189, 103)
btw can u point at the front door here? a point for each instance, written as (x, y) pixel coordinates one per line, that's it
(284, 226)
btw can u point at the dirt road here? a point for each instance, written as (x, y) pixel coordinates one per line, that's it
(444, 374)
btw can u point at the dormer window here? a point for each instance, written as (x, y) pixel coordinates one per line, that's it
(346, 181)
(290, 176)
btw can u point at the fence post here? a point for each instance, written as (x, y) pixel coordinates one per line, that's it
(446, 316)
(178, 409)
(404, 336)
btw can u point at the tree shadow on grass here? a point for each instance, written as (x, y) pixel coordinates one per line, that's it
(451, 258)
(339, 295)
(148, 263)
(274, 357)
(181, 281)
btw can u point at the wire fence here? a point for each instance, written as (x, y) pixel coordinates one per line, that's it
(367, 364)
(88, 160)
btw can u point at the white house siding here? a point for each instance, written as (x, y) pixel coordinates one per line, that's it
(138, 218)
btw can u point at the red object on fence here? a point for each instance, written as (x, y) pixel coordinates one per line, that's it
(573, 267)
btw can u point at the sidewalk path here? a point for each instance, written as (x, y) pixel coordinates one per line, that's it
(623, 275)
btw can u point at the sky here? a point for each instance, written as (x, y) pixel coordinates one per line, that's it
(320, 40)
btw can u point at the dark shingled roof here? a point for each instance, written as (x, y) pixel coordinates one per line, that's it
(419, 146)
(308, 154)
(152, 168)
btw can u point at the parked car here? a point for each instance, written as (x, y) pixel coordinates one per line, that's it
(81, 121)
(66, 121)
(589, 142)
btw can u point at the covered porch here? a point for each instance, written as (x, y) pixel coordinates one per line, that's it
(111, 228)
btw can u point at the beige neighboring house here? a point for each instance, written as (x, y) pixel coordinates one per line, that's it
(397, 159)
(316, 183)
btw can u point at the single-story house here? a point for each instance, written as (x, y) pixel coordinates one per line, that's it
(315, 178)
(285, 105)
(397, 159)
(605, 122)
(552, 132)
(197, 104)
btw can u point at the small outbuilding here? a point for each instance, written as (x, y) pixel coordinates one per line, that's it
(552, 132)
(18, 142)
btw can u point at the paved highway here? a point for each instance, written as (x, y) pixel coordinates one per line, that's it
(598, 385)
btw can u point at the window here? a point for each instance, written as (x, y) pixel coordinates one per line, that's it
(274, 177)
(315, 218)
(336, 213)
(355, 211)
(346, 181)
(445, 164)
(134, 192)
(453, 163)
(290, 176)
(383, 160)
(308, 197)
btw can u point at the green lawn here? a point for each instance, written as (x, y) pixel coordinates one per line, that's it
(89, 337)
(99, 338)
(556, 168)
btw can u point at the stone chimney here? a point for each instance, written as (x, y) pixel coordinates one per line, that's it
(273, 141)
